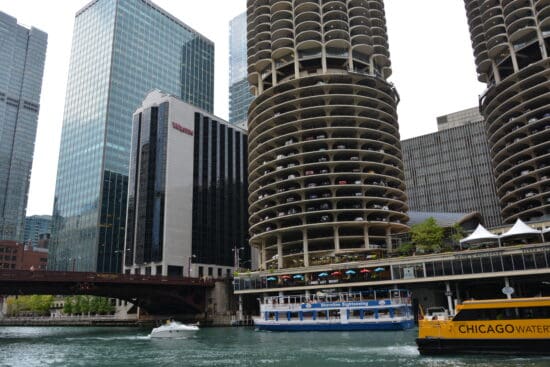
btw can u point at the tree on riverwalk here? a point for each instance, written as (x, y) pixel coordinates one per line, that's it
(34, 305)
(427, 236)
(68, 308)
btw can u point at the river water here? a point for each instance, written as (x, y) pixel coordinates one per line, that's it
(91, 346)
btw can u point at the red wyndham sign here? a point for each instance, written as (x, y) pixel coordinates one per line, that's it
(184, 130)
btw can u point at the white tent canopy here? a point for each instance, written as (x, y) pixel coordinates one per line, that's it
(479, 234)
(547, 230)
(520, 228)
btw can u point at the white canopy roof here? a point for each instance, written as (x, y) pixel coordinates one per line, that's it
(479, 234)
(547, 230)
(520, 228)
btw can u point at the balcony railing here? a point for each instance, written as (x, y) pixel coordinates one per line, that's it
(411, 268)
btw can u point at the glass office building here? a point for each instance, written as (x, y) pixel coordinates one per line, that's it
(35, 226)
(121, 50)
(22, 55)
(239, 90)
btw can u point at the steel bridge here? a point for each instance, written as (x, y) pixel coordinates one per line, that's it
(157, 295)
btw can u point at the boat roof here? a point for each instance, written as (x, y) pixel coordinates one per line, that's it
(503, 303)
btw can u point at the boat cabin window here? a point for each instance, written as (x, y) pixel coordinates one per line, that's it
(510, 313)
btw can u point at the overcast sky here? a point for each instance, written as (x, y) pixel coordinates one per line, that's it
(432, 62)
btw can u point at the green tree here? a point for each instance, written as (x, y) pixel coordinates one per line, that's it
(427, 236)
(68, 308)
(12, 305)
(405, 249)
(105, 306)
(458, 233)
(39, 305)
(77, 305)
(94, 305)
(85, 305)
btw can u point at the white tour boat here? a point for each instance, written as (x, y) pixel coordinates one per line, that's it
(368, 310)
(172, 329)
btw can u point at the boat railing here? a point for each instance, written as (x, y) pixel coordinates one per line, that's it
(295, 302)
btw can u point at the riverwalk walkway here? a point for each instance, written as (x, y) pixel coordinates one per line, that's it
(73, 321)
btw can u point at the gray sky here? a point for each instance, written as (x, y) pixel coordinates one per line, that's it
(432, 62)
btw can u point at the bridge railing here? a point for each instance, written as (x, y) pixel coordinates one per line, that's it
(49, 276)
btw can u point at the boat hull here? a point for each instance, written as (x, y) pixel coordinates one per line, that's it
(436, 346)
(171, 333)
(379, 326)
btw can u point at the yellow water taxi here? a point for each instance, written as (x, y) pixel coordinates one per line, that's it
(519, 326)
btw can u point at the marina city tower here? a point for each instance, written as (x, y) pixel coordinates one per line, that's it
(325, 165)
(511, 42)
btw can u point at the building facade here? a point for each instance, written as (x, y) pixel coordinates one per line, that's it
(239, 90)
(511, 42)
(120, 51)
(187, 191)
(325, 165)
(37, 228)
(22, 57)
(17, 256)
(450, 170)
(459, 118)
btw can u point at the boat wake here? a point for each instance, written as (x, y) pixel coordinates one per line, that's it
(111, 338)
(397, 351)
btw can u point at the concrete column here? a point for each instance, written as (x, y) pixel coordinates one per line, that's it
(296, 65)
(273, 73)
(366, 235)
(279, 252)
(540, 38)
(371, 65)
(388, 239)
(449, 295)
(262, 256)
(336, 238)
(514, 59)
(350, 59)
(306, 248)
(260, 85)
(495, 71)
(324, 59)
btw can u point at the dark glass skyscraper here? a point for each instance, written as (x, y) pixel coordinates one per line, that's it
(120, 51)
(239, 90)
(22, 55)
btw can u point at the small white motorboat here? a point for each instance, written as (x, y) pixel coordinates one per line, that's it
(172, 329)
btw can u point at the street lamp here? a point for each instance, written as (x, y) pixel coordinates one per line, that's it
(74, 261)
(189, 266)
(236, 259)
